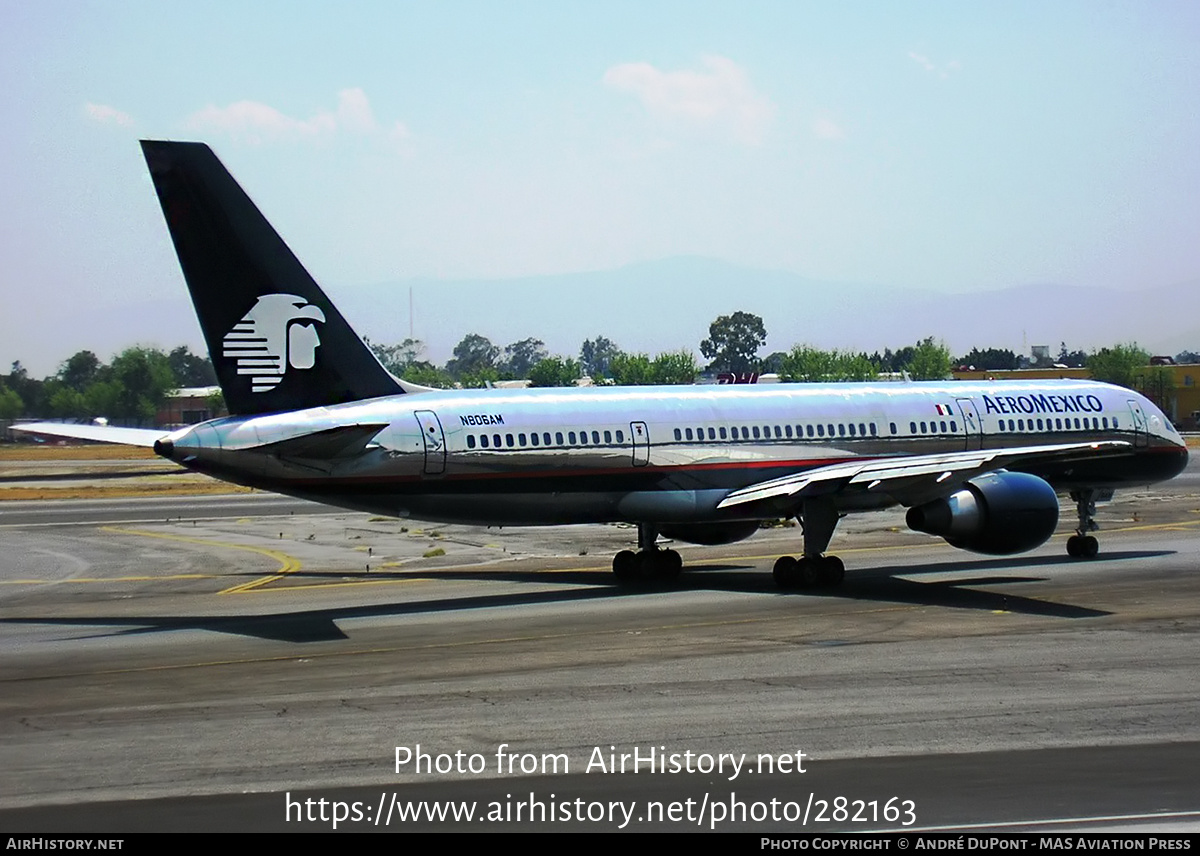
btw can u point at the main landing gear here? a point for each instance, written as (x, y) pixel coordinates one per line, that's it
(649, 562)
(819, 517)
(1081, 545)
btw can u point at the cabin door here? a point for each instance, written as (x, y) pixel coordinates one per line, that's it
(972, 425)
(434, 440)
(1141, 435)
(641, 443)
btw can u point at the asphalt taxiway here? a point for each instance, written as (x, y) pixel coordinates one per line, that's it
(187, 667)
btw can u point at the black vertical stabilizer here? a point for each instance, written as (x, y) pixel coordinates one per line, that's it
(276, 341)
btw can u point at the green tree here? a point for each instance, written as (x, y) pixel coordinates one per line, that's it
(674, 367)
(189, 369)
(144, 376)
(989, 359)
(631, 369)
(11, 405)
(80, 370)
(807, 364)
(65, 402)
(475, 356)
(555, 371)
(733, 342)
(520, 357)
(930, 361)
(398, 358)
(1119, 364)
(596, 355)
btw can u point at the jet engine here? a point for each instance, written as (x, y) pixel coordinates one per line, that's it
(710, 533)
(998, 513)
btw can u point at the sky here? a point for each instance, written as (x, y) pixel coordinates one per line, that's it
(954, 147)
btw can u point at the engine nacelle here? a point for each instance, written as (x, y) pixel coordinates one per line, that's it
(710, 533)
(998, 513)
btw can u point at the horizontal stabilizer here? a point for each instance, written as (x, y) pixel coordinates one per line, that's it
(344, 441)
(910, 477)
(95, 433)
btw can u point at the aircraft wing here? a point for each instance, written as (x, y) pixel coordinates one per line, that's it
(912, 479)
(95, 433)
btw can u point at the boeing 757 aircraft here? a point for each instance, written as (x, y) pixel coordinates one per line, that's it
(314, 415)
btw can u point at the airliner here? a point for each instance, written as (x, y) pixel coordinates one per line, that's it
(314, 415)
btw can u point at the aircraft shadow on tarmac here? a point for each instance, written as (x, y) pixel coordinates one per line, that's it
(885, 584)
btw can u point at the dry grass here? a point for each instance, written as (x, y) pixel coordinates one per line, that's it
(74, 452)
(202, 487)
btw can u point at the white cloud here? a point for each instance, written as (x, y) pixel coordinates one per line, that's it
(108, 115)
(826, 129)
(931, 67)
(720, 96)
(254, 122)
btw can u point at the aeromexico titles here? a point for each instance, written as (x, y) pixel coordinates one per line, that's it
(314, 415)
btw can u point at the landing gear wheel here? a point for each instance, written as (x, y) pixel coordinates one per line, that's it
(1083, 546)
(810, 571)
(786, 572)
(625, 565)
(668, 564)
(832, 572)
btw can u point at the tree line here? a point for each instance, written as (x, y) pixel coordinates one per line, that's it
(131, 387)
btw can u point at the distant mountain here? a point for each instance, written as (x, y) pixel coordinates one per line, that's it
(668, 304)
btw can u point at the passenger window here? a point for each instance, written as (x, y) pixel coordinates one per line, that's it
(873, 431)
(595, 438)
(809, 430)
(841, 430)
(953, 427)
(483, 441)
(923, 429)
(470, 441)
(779, 432)
(745, 433)
(688, 433)
(851, 429)
(712, 433)
(1105, 421)
(533, 438)
(678, 434)
(546, 438)
(787, 429)
(558, 437)
(756, 432)
(608, 436)
(508, 438)
(943, 424)
(620, 436)
(723, 434)
(820, 430)
(496, 440)
(571, 437)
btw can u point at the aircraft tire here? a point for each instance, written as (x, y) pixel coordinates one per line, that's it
(786, 572)
(832, 572)
(625, 565)
(810, 571)
(1089, 547)
(669, 564)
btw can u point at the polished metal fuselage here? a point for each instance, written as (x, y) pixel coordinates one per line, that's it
(661, 454)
